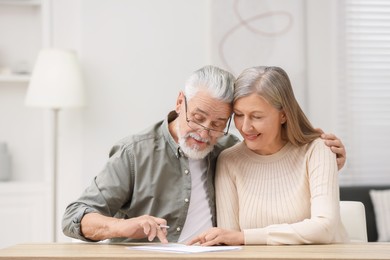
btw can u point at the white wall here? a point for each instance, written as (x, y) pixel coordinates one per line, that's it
(322, 63)
(261, 32)
(137, 59)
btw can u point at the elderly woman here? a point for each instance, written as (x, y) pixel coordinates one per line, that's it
(280, 185)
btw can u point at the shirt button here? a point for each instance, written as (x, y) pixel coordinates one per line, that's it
(178, 229)
(186, 200)
(186, 171)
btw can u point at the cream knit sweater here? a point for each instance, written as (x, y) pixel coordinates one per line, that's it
(290, 197)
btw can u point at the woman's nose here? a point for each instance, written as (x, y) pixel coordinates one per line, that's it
(246, 124)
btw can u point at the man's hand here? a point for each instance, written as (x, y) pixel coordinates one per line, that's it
(98, 227)
(337, 147)
(143, 226)
(218, 236)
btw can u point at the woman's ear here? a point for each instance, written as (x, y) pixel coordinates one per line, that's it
(283, 118)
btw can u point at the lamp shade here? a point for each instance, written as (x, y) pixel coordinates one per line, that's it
(56, 81)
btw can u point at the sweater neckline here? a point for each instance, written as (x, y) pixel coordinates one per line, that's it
(266, 158)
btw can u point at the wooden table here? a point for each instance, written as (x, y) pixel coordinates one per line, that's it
(119, 251)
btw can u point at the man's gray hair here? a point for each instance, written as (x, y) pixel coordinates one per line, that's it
(218, 82)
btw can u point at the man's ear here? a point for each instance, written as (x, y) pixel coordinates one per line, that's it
(179, 102)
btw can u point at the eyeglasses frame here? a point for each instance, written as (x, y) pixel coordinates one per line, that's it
(204, 127)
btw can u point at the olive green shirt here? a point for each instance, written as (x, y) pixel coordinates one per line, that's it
(146, 174)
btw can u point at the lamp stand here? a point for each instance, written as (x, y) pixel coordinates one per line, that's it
(54, 170)
(56, 82)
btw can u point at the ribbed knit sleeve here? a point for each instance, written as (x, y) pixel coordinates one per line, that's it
(291, 197)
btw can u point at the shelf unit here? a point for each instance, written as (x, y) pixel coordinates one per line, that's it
(24, 213)
(22, 31)
(25, 199)
(21, 28)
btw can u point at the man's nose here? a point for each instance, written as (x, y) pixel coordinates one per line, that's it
(204, 133)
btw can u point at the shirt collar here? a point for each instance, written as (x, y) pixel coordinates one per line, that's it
(167, 135)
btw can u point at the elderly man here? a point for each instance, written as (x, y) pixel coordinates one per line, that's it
(159, 184)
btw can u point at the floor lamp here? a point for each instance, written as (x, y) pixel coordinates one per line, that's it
(56, 83)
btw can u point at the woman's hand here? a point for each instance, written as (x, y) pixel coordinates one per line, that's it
(218, 236)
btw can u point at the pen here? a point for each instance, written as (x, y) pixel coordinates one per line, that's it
(163, 226)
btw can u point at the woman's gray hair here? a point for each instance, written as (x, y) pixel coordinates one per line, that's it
(218, 82)
(273, 84)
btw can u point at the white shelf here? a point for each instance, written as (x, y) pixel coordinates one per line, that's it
(14, 78)
(21, 2)
(7, 187)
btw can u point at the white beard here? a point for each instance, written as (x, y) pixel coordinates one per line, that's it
(193, 152)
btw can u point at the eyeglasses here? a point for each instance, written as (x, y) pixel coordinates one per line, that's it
(199, 127)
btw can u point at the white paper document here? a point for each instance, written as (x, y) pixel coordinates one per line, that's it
(181, 248)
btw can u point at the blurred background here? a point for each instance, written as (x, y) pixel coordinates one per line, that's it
(135, 57)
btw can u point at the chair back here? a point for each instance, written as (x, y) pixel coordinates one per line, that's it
(353, 217)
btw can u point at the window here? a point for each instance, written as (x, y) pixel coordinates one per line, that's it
(364, 89)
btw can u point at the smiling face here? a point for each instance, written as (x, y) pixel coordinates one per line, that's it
(259, 123)
(207, 111)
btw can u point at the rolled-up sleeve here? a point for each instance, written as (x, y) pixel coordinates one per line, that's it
(108, 192)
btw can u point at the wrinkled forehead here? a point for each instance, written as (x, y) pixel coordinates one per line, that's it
(206, 104)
